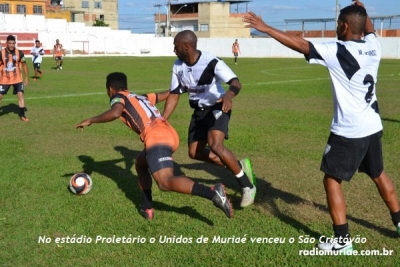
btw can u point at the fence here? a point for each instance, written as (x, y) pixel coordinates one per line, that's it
(105, 41)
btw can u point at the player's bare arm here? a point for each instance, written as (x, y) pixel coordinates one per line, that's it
(162, 96)
(234, 88)
(26, 72)
(294, 42)
(110, 115)
(170, 105)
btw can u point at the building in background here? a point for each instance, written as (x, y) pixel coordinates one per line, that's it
(71, 10)
(208, 19)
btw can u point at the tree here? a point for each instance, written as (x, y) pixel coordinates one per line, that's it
(99, 23)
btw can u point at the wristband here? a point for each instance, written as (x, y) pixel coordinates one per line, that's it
(234, 89)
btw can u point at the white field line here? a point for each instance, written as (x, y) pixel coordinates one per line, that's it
(66, 95)
(156, 90)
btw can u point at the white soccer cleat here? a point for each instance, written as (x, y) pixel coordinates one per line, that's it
(341, 248)
(248, 196)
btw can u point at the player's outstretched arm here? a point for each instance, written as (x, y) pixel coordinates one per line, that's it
(170, 105)
(110, 115)
(162, 96)
(293, 42)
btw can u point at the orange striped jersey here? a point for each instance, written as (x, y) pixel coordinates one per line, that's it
(58, 50)
(139, 111)
(235, 47)
(10, 66)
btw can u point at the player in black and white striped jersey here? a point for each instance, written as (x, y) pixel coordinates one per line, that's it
(37, 52)
(201, 74)
(355, 140)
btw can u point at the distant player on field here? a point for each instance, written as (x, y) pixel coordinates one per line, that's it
(160, 140)
(58, 53)
(236, 50)
(37, 52)
(356, 130)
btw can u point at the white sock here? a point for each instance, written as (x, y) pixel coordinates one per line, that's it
(240, 174)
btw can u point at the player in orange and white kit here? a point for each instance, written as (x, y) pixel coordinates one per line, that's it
(236, 50)
(160, 140)
(12, 65)
(58, 53)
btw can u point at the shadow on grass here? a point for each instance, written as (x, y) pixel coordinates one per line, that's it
(390, 120)
(127, 182)
(269, 195)
(10, 108)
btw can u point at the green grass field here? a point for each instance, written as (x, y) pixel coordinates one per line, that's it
(280, 121)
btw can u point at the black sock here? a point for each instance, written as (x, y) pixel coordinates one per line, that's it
(202, 191)
(244, 181)
(22, 112)
(395, 217)
(341, 230)
(147, 199)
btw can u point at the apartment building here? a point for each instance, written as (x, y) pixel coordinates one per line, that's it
(208, 19)
(86, 11)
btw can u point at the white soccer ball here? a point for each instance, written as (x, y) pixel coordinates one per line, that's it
(80, 183)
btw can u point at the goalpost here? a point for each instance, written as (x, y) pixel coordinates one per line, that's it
(80, 48)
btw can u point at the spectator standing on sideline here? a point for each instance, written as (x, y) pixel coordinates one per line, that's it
(37, 52)
(200, 74)
(160, 140)
(12, 64)
(236, 50)
(58, 53)
(356, 130)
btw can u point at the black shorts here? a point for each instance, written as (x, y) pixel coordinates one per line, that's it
(36, 65)
(344, 156)
(18, 87)
(159, 157)
(208, 119)
(59, 58)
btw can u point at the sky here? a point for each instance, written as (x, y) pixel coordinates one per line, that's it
(138, 15)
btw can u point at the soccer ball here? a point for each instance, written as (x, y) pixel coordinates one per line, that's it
(80, 183)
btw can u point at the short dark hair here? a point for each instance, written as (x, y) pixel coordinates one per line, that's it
(187, 36)
(10, 38)
(117, 80)
(37, 41)
(356, 16)
(353, 10)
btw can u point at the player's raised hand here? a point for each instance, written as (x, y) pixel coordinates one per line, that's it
(358, 3)
(254, 21)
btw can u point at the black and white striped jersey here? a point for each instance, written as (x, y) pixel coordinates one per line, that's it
(353, 68)
(203, 80)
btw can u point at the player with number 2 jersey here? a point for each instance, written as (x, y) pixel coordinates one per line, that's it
(354, 143)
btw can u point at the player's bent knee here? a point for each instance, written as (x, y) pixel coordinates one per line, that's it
(217, 148)
(163, 186)
(192, 155)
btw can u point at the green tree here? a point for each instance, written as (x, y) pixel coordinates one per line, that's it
(100, 23)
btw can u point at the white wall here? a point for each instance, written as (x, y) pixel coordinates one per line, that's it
(105, 41)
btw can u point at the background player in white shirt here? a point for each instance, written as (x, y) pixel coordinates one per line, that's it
(356, 130)
(37, 52)
(200, 74)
